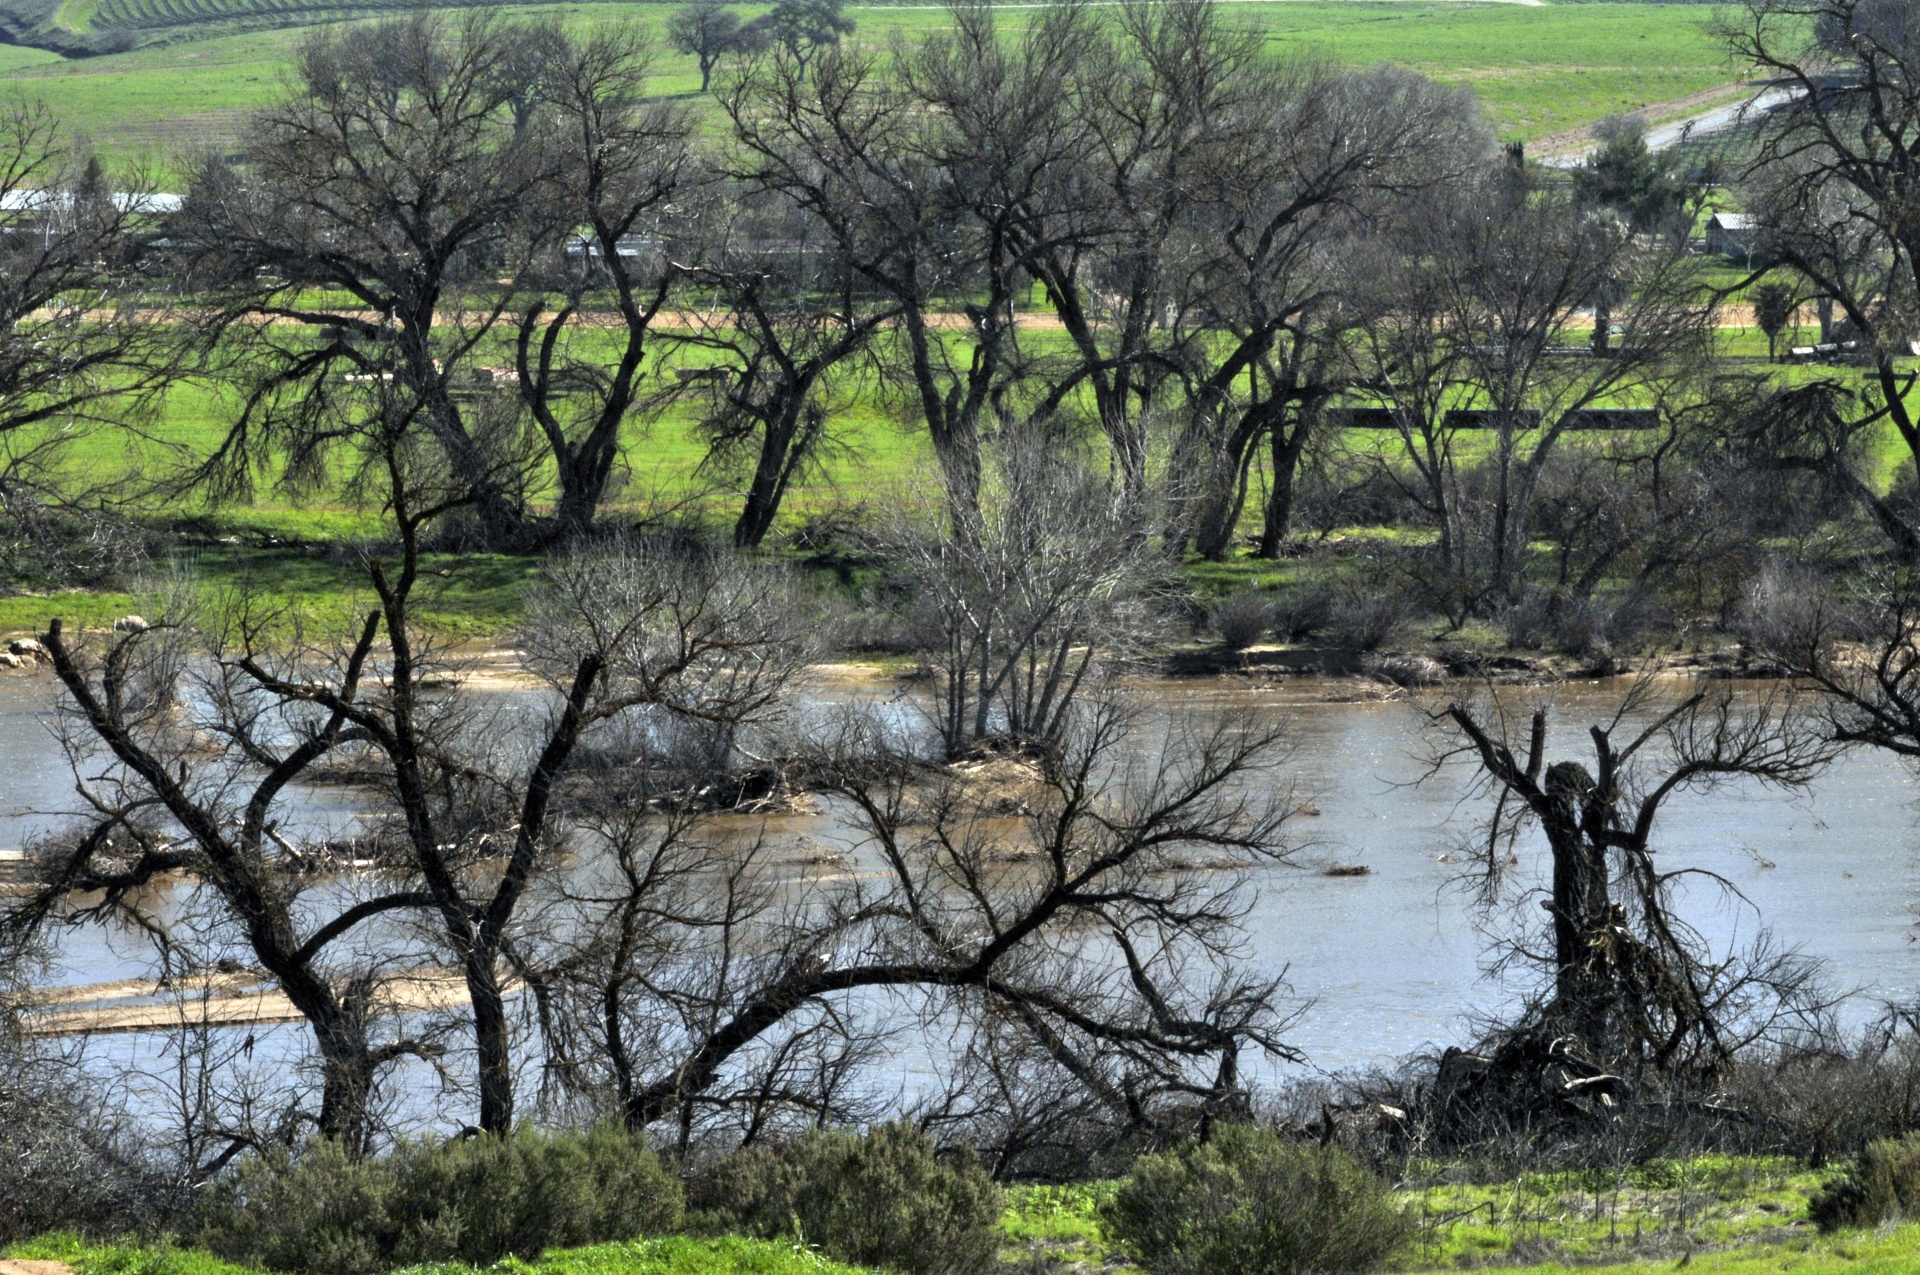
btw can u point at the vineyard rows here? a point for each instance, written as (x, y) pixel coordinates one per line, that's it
(147, 15)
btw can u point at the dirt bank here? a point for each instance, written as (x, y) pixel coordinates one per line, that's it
(219, 1000)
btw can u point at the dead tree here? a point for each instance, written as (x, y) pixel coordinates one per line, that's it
(918, 169)
(616, 633)
(475, 796)
(75, 345)
(788, 319)
(1634, 987)
(1492, 274)
(1830, 177)
(363, 242)
(1202, 266)
(85, 341)
(1859, 649)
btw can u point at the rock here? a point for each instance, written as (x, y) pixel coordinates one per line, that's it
(131, 624)
(9, 660)
(1345, 870)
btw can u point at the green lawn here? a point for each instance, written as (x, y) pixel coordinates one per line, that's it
(1539, 70)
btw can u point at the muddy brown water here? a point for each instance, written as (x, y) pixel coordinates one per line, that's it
(1389, 962)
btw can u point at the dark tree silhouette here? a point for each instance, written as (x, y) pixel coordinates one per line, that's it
(706, 30)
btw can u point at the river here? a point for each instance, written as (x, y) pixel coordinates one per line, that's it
(1390, 962)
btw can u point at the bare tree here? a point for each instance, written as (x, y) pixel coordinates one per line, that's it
(1632, 983)
(1627, 520)
(787, 317)
(84, 337)
(1830, 181)
(140, 705)
(1296, 220)
(475, 795)
(625, 184)
(79, 325)
(478, 798)
(395, 179)
(1493, 276)
(712, 986)
(1856, 647)
(1041, 604)
(1197, 247)
(918, 169)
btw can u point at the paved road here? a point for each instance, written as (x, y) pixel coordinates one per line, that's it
(1706, 123)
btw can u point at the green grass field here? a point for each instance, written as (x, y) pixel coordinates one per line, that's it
(1538, 70)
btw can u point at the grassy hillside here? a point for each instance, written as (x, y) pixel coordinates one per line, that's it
(1539, 70)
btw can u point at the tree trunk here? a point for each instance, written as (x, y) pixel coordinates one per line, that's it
(784, 442)
(583, 485)
(1287, 448)
(346, 1077)
(1582, 905)
(493, 1044)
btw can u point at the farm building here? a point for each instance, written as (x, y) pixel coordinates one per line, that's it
(1732, 234)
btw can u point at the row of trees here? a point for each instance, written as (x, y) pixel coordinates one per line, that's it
(1134, 229)
(1139, 230)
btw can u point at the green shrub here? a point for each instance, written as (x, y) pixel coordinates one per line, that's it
(1882, 1184)
(474, 1200)
(320, 1211)
(876, 1199)
(1247, 1202)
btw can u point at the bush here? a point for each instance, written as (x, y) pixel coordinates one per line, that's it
(1882, 1184)
(1828, 1100)
(67, 1161)
(1302, 611)
(876, 1199)
(1365, 616)
(1247, 1202)
(1242, 618)
(474, 1200)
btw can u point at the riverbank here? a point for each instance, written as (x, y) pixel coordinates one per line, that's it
(1416, 663)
